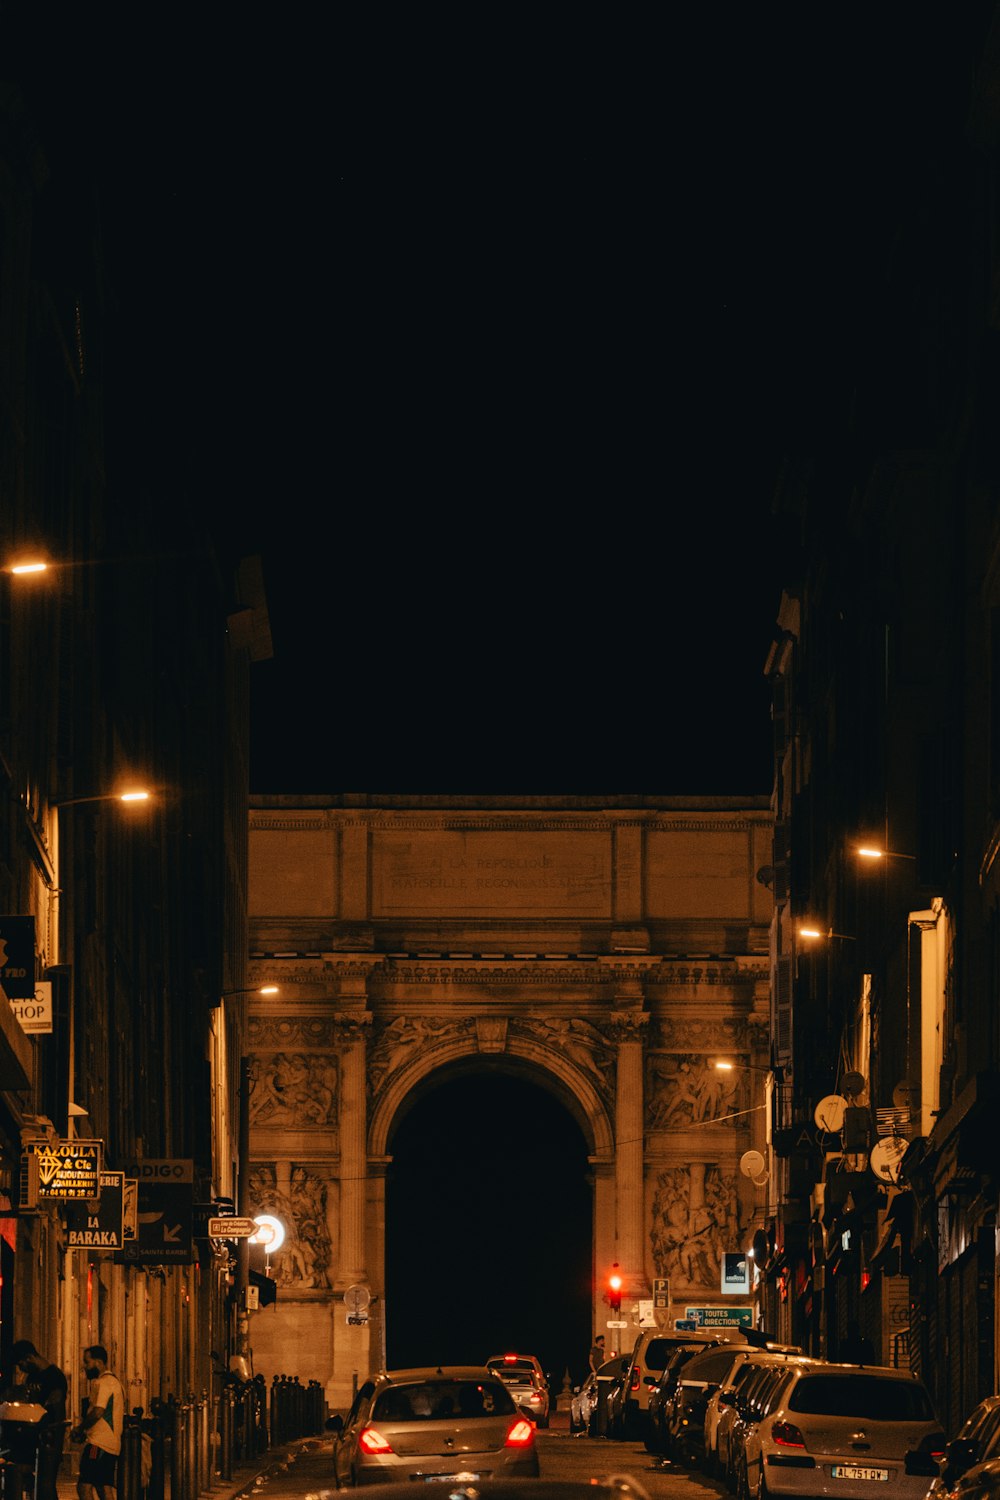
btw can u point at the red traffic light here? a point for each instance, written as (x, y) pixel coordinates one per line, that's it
(615, 1289)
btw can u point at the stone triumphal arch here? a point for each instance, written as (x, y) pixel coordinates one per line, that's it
(606, 947)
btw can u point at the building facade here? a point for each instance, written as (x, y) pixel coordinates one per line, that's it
(124, 664)
(607, 949)
(885, 673)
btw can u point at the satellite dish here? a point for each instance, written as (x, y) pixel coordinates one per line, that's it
(853, 1084)
(751, 1164)
(906, 1094)
(829, 1113)
(887, 1156)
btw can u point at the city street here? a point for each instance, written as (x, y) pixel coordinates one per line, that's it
(561, 1456)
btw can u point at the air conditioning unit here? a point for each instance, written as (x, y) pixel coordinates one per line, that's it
(27, 1195)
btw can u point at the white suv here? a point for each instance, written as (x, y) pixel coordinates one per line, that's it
(871, 1432)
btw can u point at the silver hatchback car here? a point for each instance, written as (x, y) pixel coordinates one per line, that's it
(423, 1424)
(870, 1433)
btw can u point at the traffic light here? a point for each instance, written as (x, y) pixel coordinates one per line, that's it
(615, 1289)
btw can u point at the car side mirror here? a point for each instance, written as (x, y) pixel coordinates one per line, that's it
(335, 1423)
(962, 1455)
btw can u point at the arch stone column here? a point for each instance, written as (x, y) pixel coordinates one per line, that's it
(352, 1258)
(629, 1151)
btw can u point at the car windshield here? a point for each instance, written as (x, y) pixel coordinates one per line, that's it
(877, 1397)
(435, 1400)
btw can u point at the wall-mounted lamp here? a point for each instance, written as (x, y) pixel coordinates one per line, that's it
(263, 989)
(818, 934)
(135, 794)
(26, 567)
(873, 853)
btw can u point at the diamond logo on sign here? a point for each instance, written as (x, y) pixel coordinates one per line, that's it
(69, 1169)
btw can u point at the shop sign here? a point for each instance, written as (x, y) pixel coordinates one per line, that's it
(99, 1223)
(69, 1169)
(35, 1015)
(17, 957)
(164, 1212)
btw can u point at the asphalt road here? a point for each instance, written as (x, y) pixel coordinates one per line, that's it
(307, 1473)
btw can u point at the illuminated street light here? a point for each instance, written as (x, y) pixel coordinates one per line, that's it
(27, 567)
(262, 989)
(818, 934)
(873, 852)
(270, 1233)
(136, 794)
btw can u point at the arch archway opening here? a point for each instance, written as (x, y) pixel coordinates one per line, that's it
(489, 1223)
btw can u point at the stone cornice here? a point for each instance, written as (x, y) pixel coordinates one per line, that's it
(602, 969)
(331, 819)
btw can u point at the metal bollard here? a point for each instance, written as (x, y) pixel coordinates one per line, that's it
(190, 1450)
(226, 1434)
(159, 1427)
(203, 1475)
(130, 1460)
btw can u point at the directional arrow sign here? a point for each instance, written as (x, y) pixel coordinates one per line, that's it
(231, 1228)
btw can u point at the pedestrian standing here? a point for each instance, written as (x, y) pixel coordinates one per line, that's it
(597, 1354)
(44, 1384)
(101, 1429)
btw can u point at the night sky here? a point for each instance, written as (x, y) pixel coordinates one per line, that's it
(490, 332)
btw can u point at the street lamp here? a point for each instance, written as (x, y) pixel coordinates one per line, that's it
(814, 934)
(263, 989)
(873, 853)
(133, 795)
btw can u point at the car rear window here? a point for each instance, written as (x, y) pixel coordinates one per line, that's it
(430, 1401)
(709, 1366)
(877, 1397)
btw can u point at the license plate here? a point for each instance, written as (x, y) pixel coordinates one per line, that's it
(854, 1471)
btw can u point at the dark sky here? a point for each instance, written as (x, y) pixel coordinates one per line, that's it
(489, 330)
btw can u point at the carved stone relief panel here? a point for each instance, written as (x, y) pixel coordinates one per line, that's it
(695, 1218)
(298, 1196)
(293, 1089)
(682, 1089)
(396, 1043)
(271, 1034)
(583, 1043)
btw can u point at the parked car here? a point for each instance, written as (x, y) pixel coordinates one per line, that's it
(981, 1482)
(424, 1424)
(609, 1380)
(977, 1441)
(680, 1419)
(874, 1429)
(582, 1402)
(662, 1394)
(752, 1407)
(650, 1356)
(721, 1411)
(523, 1377)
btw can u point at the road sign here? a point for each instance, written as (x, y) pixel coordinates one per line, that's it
(357, 1298)
(231, 1228)
(617, 1323)
(719, 1317)
(661, 1291)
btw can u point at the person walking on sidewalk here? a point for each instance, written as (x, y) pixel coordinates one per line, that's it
(45, 1384)
(101, 1429)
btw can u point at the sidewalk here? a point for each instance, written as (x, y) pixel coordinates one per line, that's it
(247, 1477)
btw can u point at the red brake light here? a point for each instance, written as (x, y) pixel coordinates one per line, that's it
(521, 1435)
(787, 1434)
(510, 1359)
(372, 1441)
(636, 1376)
